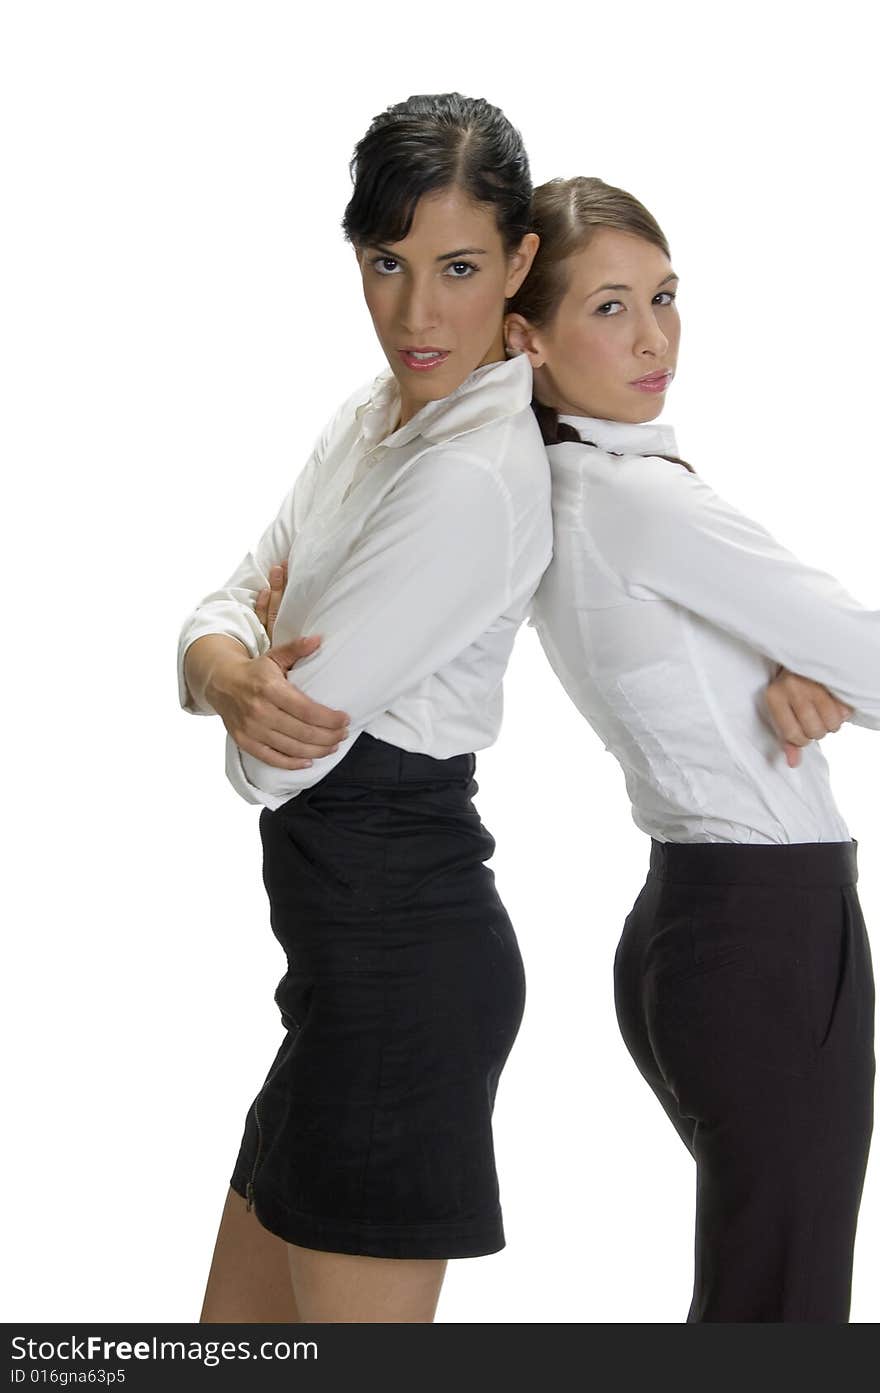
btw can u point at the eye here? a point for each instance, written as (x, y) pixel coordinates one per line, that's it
(385, 265)
(667, 297)
(463, 270)
(608, 307)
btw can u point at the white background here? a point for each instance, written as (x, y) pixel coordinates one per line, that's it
(180, 316)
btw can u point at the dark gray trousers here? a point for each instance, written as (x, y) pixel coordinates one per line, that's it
(745, 994)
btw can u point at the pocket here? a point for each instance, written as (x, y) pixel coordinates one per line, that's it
(313, 855)
(841, 985)
(737, 1012)
(298, 845)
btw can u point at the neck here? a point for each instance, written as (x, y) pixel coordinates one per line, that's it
(409, 406)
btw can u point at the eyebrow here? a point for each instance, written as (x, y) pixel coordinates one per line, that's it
(665, 281)
(445, 256)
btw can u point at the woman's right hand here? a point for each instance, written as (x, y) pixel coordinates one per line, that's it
(801, 711)
(273, 719)
(266, 715)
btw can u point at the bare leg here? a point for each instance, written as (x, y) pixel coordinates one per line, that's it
(333, 1287)
(249, 1279)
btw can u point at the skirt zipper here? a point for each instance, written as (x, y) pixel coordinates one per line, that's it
(250, 1185)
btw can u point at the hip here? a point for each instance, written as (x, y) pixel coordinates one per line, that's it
(750, 953)
(384, 828)
(708, 899)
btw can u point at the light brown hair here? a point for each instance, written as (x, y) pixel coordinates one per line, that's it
(565, 214)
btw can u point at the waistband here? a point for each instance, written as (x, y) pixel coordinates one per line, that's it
(372, 761)
(721, 863)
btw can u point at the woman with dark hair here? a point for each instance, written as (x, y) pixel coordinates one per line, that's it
(743, 979)
(413, 540)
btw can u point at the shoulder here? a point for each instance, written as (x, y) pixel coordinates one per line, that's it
(644, 473)
(629, 505)
(456, 473)
(502, 465)
(508, 451)
(647, 486)
(635, 480)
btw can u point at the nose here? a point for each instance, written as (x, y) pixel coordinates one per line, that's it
(651, 339)
(418, 308)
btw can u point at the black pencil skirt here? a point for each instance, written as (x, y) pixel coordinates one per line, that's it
(745, 994)
(404, 991)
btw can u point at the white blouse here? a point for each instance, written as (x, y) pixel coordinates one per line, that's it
(665, 613)
(415, 555)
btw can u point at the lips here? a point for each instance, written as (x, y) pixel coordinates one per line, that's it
(422, 359)
(653, 381)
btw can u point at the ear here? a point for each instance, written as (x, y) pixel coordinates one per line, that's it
(519, 263)
(520, 337)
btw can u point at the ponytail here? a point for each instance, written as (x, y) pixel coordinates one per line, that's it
(556, 432)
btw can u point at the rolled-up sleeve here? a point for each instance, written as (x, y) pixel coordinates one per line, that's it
(666, 531)
(429, 574)
(230, 610)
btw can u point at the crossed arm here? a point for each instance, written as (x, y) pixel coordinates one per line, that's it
(799, 709)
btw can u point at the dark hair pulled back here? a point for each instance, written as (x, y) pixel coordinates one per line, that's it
(430, 143)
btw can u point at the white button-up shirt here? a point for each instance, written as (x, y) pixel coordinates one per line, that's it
(415, 555)
(665, 613)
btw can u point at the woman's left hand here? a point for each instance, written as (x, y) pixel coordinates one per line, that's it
(801, 710)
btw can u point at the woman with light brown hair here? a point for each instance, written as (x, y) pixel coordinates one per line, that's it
(743, 979)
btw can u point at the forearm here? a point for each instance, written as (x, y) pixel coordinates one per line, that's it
(674, 537)
(204, 663)
(227, 614)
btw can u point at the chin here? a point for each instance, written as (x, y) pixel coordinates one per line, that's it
(428, 386)
(647, 410)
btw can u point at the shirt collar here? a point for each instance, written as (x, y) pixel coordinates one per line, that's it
(623, 437)
(488, 394)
